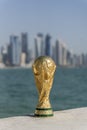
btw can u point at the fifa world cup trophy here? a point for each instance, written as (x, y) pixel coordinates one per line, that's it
(44, 68)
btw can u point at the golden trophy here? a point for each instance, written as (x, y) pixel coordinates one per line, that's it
(44, 68)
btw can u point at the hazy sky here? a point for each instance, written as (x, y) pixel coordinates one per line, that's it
(63, 19)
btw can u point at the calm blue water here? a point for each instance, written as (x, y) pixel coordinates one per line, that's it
(18, 94)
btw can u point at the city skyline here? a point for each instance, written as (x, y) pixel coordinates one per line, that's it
(17, 53)
(65, 20)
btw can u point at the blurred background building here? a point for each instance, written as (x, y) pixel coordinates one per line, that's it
(48, 45)
(15, 51)
(39, 45)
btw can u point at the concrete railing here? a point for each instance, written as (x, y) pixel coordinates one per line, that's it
(73, 119)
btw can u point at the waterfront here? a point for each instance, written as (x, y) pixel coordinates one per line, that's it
(18, 94)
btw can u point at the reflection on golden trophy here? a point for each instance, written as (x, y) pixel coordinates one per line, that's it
(44, 68)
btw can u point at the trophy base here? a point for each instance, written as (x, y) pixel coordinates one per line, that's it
(43, 112)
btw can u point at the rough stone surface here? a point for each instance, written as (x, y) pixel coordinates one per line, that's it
(73, 119)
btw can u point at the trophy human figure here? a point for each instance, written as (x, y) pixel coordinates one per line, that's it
(44, 68)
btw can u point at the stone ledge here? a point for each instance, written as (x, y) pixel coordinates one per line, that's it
(73, 119)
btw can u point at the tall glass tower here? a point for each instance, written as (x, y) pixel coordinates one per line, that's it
(39, 45)
(15, 50)
(24, 41)
(47, 45)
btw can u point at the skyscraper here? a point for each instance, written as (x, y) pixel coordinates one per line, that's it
(64, 54)
(24, 41)
(9, 54)
(75, 59)
(54, 53)
(15, 51)
(39, 45)
(83, 58)
(58, 50)
(68, 57)
(47, 45)
(36, 48)
(2, 55)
